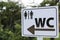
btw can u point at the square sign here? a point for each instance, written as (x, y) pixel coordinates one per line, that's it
(41, 21)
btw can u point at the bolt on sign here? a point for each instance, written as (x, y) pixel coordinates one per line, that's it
(41, 21)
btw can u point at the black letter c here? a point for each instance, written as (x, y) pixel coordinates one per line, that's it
(48, 22)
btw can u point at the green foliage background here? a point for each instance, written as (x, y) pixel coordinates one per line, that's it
(10, 22)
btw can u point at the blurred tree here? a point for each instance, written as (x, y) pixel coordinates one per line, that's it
(10, 21)
(52, 3)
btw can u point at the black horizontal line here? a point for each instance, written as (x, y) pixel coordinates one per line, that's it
(45, 29)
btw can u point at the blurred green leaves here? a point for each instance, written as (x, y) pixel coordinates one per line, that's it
(10, 22)
(52, 3)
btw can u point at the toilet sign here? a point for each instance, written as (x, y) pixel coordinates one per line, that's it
(41, 21)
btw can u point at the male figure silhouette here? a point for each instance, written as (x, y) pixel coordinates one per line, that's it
(25, 15)
(31, 14)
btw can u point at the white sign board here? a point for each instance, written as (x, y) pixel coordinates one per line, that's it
(41, 21)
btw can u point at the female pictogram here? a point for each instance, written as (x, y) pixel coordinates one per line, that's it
(25, 15)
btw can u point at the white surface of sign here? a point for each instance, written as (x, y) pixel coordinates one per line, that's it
(41, 21)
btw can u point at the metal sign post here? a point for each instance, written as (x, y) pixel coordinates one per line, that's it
(39, 38)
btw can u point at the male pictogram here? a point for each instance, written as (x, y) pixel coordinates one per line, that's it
(25, 15)
(31, 14)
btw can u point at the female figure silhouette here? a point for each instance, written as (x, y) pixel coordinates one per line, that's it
(25, 15)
